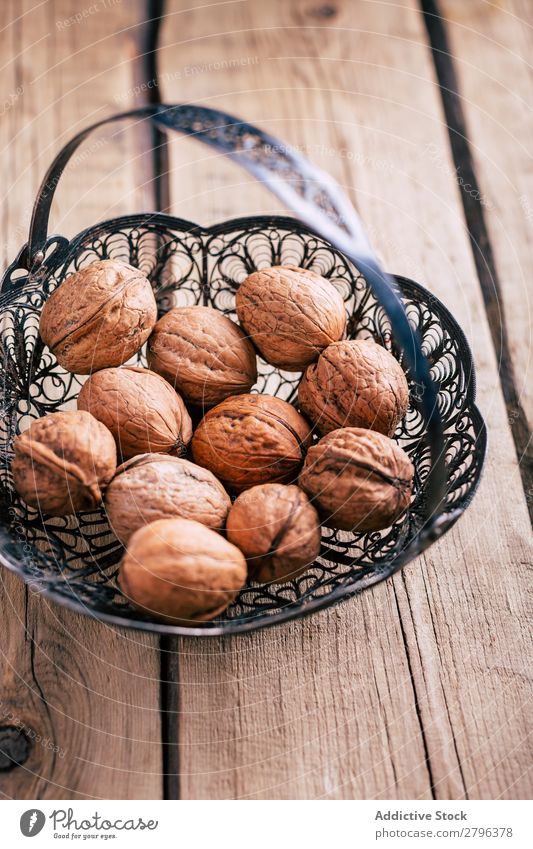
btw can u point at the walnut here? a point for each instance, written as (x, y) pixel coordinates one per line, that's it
(354, 384)
(98, 317)
(141, 410)
(62, 462)
(277, 530)
(181, 572)
(154, 486)
(291, 313)
(204, 354)
(358, 479)
(251, 439)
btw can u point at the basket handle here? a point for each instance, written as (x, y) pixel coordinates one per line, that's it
(317, 200)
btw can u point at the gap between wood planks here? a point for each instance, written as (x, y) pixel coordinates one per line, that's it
(479, 237)
(146, 69)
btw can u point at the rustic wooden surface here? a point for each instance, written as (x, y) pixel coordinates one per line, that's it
(500, 125)
(418, 688)
(87, 689)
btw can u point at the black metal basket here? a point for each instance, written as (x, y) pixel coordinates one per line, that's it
(73, 560)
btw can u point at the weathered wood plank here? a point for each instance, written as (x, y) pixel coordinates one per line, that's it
(491, 47)
(89, 690)
(475, 202)
(418, 687)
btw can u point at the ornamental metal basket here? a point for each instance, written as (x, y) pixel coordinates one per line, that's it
(74, 560)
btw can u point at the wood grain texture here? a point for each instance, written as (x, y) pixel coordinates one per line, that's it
(474, 203)
(492, 45)
(418, 688)
(90, 692)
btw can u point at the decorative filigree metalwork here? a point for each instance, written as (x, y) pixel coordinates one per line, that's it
(74, 559)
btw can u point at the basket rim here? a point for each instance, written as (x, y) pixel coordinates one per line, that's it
(433, 530)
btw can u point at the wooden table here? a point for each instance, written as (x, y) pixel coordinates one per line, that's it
(418, 688)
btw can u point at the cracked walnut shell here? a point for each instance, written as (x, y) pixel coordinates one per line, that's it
(62, 463)
(98, 317)
(277, 530)
(358, 479)
(154, 486)
(203, 354)
(291, 314)
(181, 572)
(141, 410)
(355, 384)
(251, 439)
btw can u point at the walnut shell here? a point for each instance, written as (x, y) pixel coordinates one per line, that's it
(153, 486)
(355, 384)
(181, 572)
(203, 354)
(98, 317)
(141, 410)
(358, 479)
(291, 313)
(277, 530)
(62, 462)
(251, 439)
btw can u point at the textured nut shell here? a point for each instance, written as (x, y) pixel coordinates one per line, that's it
(355, 384)
(62, 462)
(251, 439)
(181, 572)
(358, 479)
(277, 530)
(141, 410)
(152, 486)
(98, 317)
(291, 313)
(204, 354)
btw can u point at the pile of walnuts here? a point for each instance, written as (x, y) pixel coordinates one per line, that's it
(166, 484)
